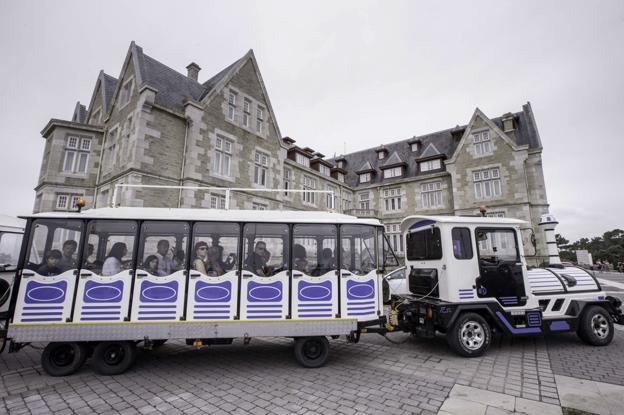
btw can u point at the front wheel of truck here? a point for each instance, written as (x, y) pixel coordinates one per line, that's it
(470, 335)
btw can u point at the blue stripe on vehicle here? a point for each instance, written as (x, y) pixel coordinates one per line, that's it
(212, 306)
(210, 317)
(315, 315)
(314, 304)
(264, 305)
(157, 318)
(315, 309)
(44, 314)
(98, 313)
(156, 312)
(45, 308)
(211, 311)
(100, 307)
(31, 320)
(361, 314)
(265, 316)
(98, 319)
(157, 306)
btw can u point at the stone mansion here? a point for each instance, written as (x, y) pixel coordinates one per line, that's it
(155, 126)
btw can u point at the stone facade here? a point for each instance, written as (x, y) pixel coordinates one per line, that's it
(155, 126)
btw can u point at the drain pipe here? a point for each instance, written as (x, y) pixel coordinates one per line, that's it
(189, 122)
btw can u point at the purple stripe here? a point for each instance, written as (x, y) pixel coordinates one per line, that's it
(314, 309)
(360, 314)
(28, 320)
(99, 313)
(100, 307)
(264, 306)
(315, 315)
(212, 306)
(98, 319)
(44, 308)
(271, 317)
(313, 304)
(372, 307)
(43, 314)
(212, 317)
(362, 303)
(157, 318)
(211, 311)
(156, 312)
(157, 306)
(515, 330)
(265, 311)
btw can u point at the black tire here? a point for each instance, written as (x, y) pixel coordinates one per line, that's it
(311, 352)
(63, 358)
(470, 335)
(113, 358)
(595, 326)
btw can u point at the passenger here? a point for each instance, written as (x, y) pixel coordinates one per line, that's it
(230, 261)
(112, 264)
(214, 265)
(165, 264)
(151, 264)
(300, 260)
(90, 260)
(326, 263)
(199, 261)
(67, 261)
(257, 260)
(50, 268)
(179, 259)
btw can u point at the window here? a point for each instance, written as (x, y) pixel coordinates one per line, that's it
(261, 169)
(220, 248)
(265, 248)
(346, 204)
(392, 199)
(10, 244)
(462, 245)
(323, 169)
(331, 198)
(62, 201)
(110, 247)
(259, 119)
(288, 177)
(497, 245)
(168, 243)
(340, 177)
(126, 93)
(381, 155)
(365, 201)
(258, 206)
(76, 155)
(54, 246)
(232, 105)
(222, 156)
(308, 184)
(303, 160)
(482, 143)
(393, 232)
(393, 172)
(109, 152)
(217, 201)
(431, 195)
(414, 146)
(246, 111)
(487, 183)
(424, 245)
(96, 116)
(430, 165)
(341, 164)
(365, 177)
(358, 249)
(314, 249)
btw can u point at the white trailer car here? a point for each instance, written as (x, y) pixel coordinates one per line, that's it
(96, 283)
(468, 277)
(11, 232)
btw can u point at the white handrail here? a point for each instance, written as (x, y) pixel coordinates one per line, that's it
(227, 190)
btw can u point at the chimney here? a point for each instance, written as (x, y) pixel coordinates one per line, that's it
(193, 71)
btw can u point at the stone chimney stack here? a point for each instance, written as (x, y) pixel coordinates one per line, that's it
(193, 71)
(548, 223)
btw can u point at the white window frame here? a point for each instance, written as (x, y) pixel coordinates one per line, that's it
(261, 169)
(308, 183)
(414, 147)
(288, 180)
(482, 143)
(392, 199)
(487, 183)
(62, 201)
(301, 159)
(429, 165)
(393, 231)
(331, 199)
(324, 170)
(393, 172)
(222, 152)
(365, 177)
(340, 177)
(260, 119)
(381, 155)
(232, 98)
(217, 201)
(431, 195)
(126, 93)
(74, 147)
(364, 200)
(246, 111)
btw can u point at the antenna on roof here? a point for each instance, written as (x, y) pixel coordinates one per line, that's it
(344, 147)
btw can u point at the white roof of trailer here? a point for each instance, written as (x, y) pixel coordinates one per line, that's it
(272, 216)
(11, 224)
(464, 220)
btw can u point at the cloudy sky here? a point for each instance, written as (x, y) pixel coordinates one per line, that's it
(347, 75)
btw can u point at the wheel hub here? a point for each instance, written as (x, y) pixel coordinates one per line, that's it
(63, 356)
(312, 349)
(600, 326)
(113, 355)
(472, 335)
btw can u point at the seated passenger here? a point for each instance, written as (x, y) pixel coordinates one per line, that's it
(151, 264)
(67, 261)
(300, 260)
(214, 265)
(50, 267)
(257, 260)
(112, 263)
(327, 262)
(200, 254)
(165, 263)
(230, 261)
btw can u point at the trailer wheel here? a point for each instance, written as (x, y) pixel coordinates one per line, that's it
(311, 351)
(470, 336)
(595, 326)
(63, 358)
(113, 358)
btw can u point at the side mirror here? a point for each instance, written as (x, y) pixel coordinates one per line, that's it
(5, 291)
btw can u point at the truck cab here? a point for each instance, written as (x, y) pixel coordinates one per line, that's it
(468, 278)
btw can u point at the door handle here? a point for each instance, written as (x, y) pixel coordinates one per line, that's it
(346, 274)
(195, 275)
(246, 275)
(297, 275)
(141, 275)
(28, 274)
(85, 275)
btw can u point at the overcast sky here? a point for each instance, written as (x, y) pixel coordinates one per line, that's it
(347, 75)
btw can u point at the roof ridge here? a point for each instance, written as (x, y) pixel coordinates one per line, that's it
(169, 68)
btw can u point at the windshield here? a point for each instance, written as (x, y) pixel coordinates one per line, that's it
(424, 245)
(10, 244)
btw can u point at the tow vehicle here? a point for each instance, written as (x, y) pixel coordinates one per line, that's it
(468, 278)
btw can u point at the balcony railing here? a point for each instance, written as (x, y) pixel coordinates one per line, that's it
(362, 213)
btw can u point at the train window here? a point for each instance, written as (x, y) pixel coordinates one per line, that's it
(109, 248)
(266, 248)
(424, 245)
(314, 249)
(462, 245)
(497, 245)
(54, 246)
(163, 248)
(10, 244)
(215, 248)
(359, 254)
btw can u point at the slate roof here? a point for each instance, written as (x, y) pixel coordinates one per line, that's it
(430, 151)
(393, 160)
(109, 83)
(80, 113)
(444, 141)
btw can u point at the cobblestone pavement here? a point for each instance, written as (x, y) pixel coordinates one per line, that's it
(373, 376)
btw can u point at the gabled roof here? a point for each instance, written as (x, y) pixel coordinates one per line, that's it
(392, 161)
(366, 167)
(109, 83)
(430, 152)
(212, 82)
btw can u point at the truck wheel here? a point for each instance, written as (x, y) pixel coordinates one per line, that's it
(63, 358)
(470, 336)
(595, 326)
(113, 358)
(311, 351)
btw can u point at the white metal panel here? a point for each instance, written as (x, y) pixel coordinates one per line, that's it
(314, 297)
(264, 297)
(360, 296)
(158, 298)
(212, 298)
(45, 299)
(541, 280)
(102, 298)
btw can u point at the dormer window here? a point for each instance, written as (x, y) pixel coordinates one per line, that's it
(340, 177)
(324, 170)
(393, 172)
(303, 160)
(341, 164)
(365, 177)
(482, 143)
(429, 165)
(414, 146)
(381, 155)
